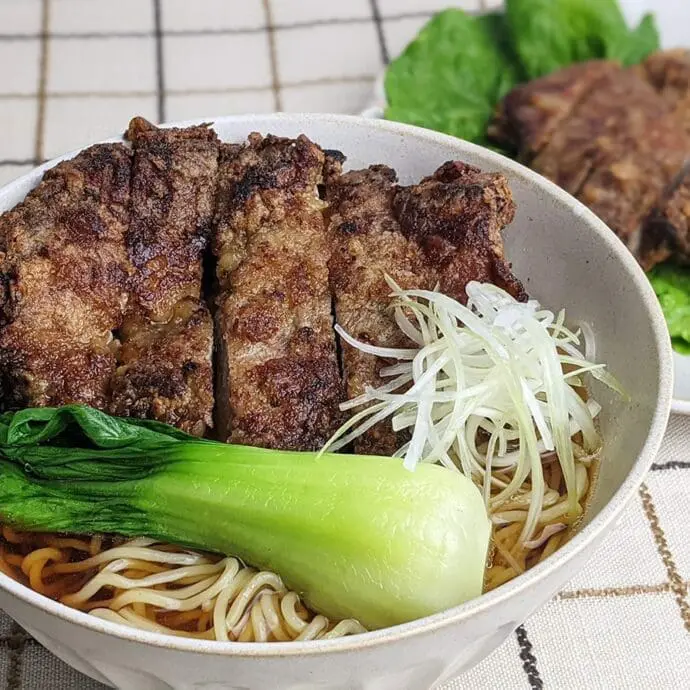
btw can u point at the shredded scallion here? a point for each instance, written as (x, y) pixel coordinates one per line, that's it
(494, 386)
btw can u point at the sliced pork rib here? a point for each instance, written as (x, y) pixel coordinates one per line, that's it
(278, 380)
(165, 370)
(367, 245)
(531, 114)
(101, 298)
(445, 230)
(65, 274)
(637, 163)
(457, 216)
(607, 136)
(173, 192)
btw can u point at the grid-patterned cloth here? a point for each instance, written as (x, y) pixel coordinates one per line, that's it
(74, 71)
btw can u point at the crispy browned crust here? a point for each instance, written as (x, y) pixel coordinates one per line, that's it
(65, 273)
(165, 369)
(529, 115)
(53, 372)
(280, 386)
(65, 258)
(39, 369)
(173, 188)
(367, 245)
(457, 216)
(75, 270)
(166, 357)
(446, 229)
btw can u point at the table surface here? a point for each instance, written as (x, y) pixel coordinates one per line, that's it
(75, 71)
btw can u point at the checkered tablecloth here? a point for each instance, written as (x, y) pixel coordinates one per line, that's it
(75, 71)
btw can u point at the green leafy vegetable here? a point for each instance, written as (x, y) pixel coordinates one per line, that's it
(672, 286)
(551, 34)
(359, 536)
(452, 75)
(641, 42)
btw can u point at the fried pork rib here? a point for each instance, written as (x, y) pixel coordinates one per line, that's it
(65, 274)
(668, 232)
(669, 73)
(173, 190)
(165, 369)
(532, 113)
(166, 372)
(445, 230)
(278, 380)
(605, 135)
(617, 152)
(112, 242)
(367, 245)
(456, 216)
(101, 298)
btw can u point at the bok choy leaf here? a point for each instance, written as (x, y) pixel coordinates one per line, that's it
(359, 536)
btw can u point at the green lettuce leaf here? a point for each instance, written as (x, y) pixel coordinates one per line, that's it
(640, 43)
(551, 34)
(451, 77)
(672, 286)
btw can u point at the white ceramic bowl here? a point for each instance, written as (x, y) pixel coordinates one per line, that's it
(567, 258)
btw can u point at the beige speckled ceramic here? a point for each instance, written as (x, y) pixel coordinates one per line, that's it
(567, 258)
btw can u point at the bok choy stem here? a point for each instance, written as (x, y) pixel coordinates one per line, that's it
(359, 536)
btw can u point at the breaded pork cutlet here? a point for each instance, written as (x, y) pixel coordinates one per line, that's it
(445, 230)
(165, 370)
(278, 379)
(65, 274)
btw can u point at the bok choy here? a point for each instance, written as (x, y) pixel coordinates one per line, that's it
(358, 536)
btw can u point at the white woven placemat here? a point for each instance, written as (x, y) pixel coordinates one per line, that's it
(74, 71)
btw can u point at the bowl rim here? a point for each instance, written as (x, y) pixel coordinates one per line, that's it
(599, 523)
